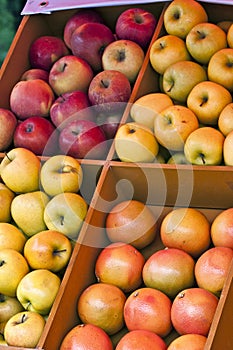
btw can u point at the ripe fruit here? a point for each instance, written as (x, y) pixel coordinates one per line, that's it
(222, 229)
(101, 304)
(120, 264)
(148, 309)
(11, 237)
(131, 221)
(187, 229)
(188, 342)
(193, 311)
(140, 339)
(169, 270)
(211, 269)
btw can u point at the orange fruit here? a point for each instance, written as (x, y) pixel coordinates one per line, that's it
(141, 340)
(222, 229)
(169, 270)
(102, 304)
(212, 268)
(86, 336)
(132, 222)
(188, 342)
(120, 264)
(193, 310)
(187, 229)
(148, 309)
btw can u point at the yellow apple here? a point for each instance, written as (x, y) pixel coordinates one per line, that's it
(48, 249)
(230, 36)
(173, 125)
(220, 68)
(61, 173)
(20, 169)
(204, 146)
(6, 197)
(13, 267)
(225, 120)
(37, 290)
(167, 50)
(227, 149)
(11, 237)
(9, 306)
(146, 107)
(65, 213)
(24, 329)
(181, 15)
(207, 100)
(178, 158)
(135, 142)
(27, 211)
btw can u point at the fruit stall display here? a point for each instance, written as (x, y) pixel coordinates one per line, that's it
(120, 146)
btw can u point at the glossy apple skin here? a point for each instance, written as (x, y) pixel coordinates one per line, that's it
(71, 105)
(88, 42)
(136, 24)
(109, 90)
(77, 19)
(8, 122)
(38, 135)
(35, 73)
(31, 97)
(109, 123)
(46, 50)
(83, 139)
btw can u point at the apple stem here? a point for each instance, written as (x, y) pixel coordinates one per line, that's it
(56, 252)
(171, 86)
(201, 34)
(2, 298)
(62, 220)
(24, 317)
(204, 100)
(2, 263)
(104, 83)
(202, 158)
(121, 55)
(131, 131)
(6, 154)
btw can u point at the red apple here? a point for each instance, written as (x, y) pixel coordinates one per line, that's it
(71, 105)
(83, 139)
(109, 123)
(77, 19)
(136, 24)
(38, 135)
(35, 73)
(88, 42)
(46, 50)
(8, 122)
(70, 73)
(31, 97)
(109, 90)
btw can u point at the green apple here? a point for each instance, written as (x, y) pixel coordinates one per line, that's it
(180, 77)
(6, 197)
(227, 149)
(11, 237)
(181, 15)
(13, 267)
(48, 249)
(61, 173)
(9, 306)
(220, 68)
(27, 211)
(167, 50)
(204, 39)
(225, 120)
(204, 146)
(146, 107)
(20, 169)
(173, 125)
(37, 290)
(207, 99)
(65, 213)
(135, 142)
(24, 329)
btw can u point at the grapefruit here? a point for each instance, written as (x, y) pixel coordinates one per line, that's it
(102, 305)
(131, 222)
(188, 342)
(193, 310)
(120, 264)
(148, 309)
(169, 270)
(222, 229)
(212, 268)
(141, 340)
(187, 229)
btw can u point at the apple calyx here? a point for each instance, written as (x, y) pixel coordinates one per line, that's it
(22, 320)
(29, 128)
(176, 15)
(138, 19)
(121, 55)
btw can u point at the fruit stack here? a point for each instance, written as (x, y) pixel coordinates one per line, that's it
(119, 125)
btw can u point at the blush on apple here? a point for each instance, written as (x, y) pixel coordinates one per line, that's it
(136, 24)
(35, 73)
(77, 19)
(89, 40)
(109, 123)
(46, 50)
(8, 122)
(83, 139)
(38, 135)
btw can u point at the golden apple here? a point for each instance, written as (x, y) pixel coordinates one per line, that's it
(227, 149)
(6, 197)
(225, 120)
(230, 36)
(220, 68)
(9, 306)
(11, 237)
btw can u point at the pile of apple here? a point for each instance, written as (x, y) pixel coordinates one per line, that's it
(72, 98)
(42, 212)
(161, 280)
(190, 119)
